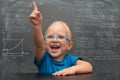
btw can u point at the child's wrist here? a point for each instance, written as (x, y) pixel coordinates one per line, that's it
(37, 25)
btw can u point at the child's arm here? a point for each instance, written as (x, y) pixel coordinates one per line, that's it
(80, 67)
(36, 19)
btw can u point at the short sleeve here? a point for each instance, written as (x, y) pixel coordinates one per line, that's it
(38, 63)
(79, 58)
(73, 59)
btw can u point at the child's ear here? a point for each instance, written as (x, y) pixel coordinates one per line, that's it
(70, 45)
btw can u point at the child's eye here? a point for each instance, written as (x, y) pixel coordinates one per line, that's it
(50, 36)
(61, 37)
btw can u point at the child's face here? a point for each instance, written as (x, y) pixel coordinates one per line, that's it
(57, 42)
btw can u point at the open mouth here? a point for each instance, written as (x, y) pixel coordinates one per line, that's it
(55, 47)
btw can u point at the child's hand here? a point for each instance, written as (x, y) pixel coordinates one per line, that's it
(35, 16)
(67, 71)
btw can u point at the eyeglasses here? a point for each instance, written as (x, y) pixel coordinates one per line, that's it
(57, 37)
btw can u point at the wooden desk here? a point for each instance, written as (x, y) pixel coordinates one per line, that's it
(35, 76)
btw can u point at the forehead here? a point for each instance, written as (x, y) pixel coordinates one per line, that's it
(57, 28)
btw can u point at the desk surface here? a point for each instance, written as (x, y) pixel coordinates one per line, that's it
(35, 76)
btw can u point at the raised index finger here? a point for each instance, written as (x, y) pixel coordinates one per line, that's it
(35, 6)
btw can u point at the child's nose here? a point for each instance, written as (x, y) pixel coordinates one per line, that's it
(55, 39)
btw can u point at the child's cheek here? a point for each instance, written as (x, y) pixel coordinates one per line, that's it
(64, 45)
(46, 45)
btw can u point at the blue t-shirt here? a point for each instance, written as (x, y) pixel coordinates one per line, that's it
(49, 65)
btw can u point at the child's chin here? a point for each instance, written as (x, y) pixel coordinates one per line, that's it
(54, 54)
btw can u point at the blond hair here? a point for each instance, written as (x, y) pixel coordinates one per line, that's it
(69, 34)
